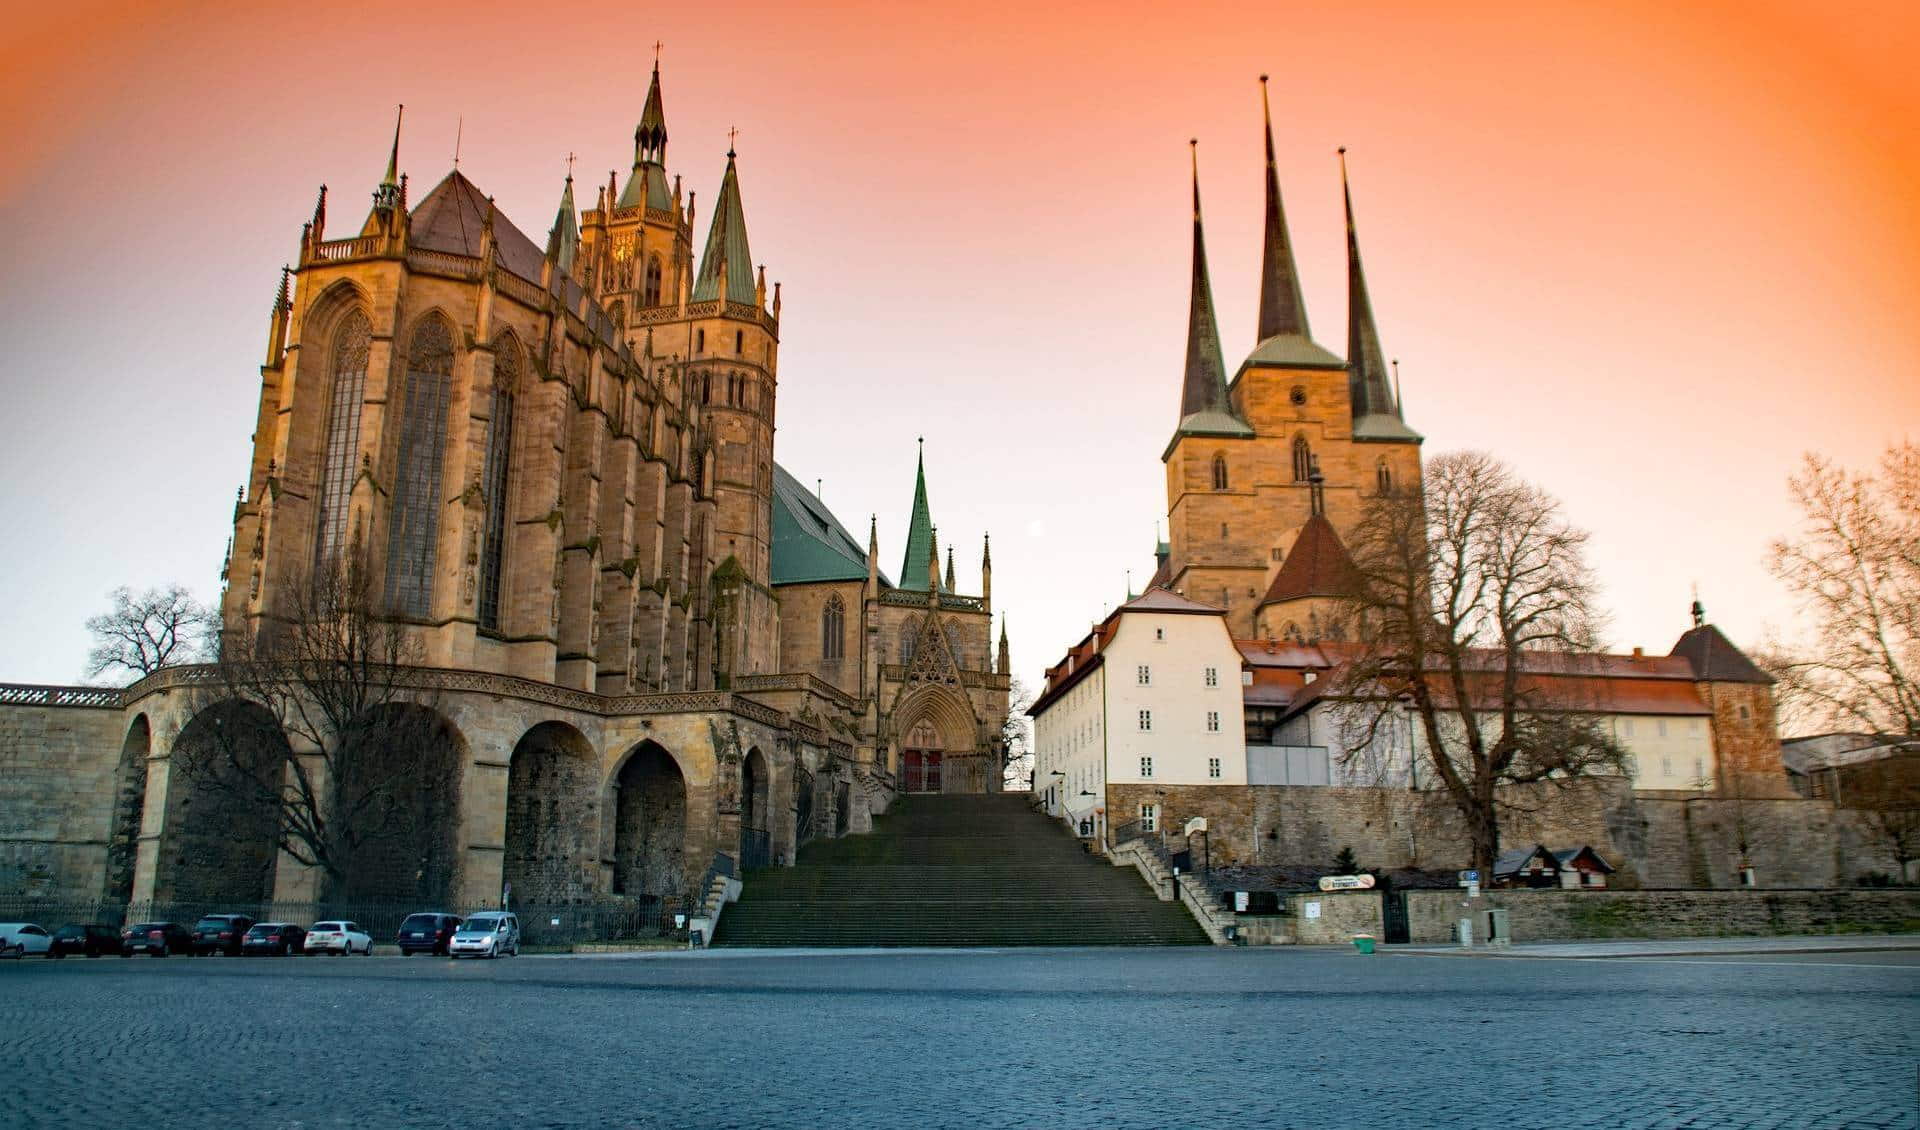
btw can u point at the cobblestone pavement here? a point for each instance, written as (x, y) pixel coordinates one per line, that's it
(1065, 1038)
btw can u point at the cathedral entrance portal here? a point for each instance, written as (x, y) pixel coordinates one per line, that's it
(920, 763)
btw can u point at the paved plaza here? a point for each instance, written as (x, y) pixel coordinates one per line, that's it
(1045, 1038)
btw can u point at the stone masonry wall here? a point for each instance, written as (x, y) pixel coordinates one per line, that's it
(1556, 914)
(58, 788)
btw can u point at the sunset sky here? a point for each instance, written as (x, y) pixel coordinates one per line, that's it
(1647, 256)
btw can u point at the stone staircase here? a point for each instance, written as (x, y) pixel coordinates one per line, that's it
(953, 871)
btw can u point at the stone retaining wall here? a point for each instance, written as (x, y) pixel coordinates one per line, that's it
(1537, 916)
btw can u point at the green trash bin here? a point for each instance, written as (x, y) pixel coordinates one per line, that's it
(1363, 943)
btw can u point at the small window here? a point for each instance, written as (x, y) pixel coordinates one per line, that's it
(1146, 767)
(739, 341)
(1246, 678)
(1149, 818)
(1629, 727)
(1219, 472)
(1276, 553)
(1298, 395)
(1633, 766)
(1213, 676)
(1383, 477)
(1223, 529)
(1146, 719)
(1660, 725)
(1744, 713)
(1666, 767)
(1302, 460)
(1213, 721)
(1159, 633)
(1144, 675)
(699, 341)
(1213, 768)
(1700, 770)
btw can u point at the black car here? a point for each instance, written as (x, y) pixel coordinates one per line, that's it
(156, 938)
(427, 932)
(221, 933)
(89, 940)
(283, 938)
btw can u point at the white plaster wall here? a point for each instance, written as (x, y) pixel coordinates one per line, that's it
(1176, 649)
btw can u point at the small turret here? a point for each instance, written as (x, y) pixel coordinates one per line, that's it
(948, 587)
(277, 326)
(986, 573)
(1003, 667)
(386, 197)
(873, 554)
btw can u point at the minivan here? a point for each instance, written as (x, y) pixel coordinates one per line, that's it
(490, 933)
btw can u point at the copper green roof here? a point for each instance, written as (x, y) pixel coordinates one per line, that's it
(727, 243)
(564, 237)
(1204, 406)
(648, 181)
(809, 543)
(913, 567)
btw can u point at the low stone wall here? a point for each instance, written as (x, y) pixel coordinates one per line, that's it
(1334, 918)
(1548, 915)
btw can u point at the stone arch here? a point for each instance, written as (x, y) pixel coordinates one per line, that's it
(942, 713)
(129, 804)
(397, 799)
(220, 835)
(647, 796)
(553, 817)
(756, 809)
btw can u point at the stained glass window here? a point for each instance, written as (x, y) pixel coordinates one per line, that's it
(506, 378)
(416, 489)
(340, 459)
(833, 629)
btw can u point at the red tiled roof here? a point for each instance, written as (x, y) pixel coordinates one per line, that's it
(1317, 565)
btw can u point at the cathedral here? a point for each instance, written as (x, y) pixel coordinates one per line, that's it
(1267, 472)
(651, 651)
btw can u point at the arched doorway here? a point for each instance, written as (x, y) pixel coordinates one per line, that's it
(553, 820)
(922, 751)
(756, 845)
(803, 806)
(649, 806)
(129, 804)
(396, 805)
(221, 835)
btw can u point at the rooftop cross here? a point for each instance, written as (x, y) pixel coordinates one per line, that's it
(732, 133)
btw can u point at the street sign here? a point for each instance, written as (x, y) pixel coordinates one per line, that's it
(1346, 882)
(1469, 877)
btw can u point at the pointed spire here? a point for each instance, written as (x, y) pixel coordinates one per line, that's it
(1204, 407)
(727, 256)
(648, 183)
(564, 237)
(934, 587)
(320, 216)
(986, 573)
(1366, 364)
(913, 567)
(948, 586)
(1316, 487)
(1003, 645)
(387, 196)
(1282, 309)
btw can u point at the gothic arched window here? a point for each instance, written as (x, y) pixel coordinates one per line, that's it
(1302, 460)
(1383, 477)
(506, 378)
(651, 295)
(341, 458)
(833, 629)
(697, 469)
(909, 636)
(1219, 472)
(414, 528)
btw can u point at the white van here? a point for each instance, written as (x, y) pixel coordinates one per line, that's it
(487, 933)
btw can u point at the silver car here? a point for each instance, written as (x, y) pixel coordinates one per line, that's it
(490, 933)
(18, 939)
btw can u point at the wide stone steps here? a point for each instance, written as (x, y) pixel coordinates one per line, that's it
(953, 871)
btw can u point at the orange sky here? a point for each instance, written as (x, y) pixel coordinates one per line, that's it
(1647, 256)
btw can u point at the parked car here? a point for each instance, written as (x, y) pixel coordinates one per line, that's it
(87, 939)
(221, 933)
(283, 938)
(338, 937)
(427, 932)
(156, 938)
(490, 933)
(23, 938)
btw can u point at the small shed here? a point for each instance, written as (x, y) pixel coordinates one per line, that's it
(1532, 866)
(1582, 868)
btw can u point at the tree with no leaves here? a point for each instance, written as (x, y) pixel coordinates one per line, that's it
(1473, 605)
(146, 631)
(1854, 566)
(1016, 737)
(364, 778)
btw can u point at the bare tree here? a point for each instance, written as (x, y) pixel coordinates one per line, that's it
(1854, 565)
(363, 783)
(144, 632)
(1016, 737)
(1474, 605)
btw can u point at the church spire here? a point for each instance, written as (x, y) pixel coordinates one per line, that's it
(913, 568)
(1282, 309)
(1367, 378)
(387, 196)
(1204, 407)
(647, 185)
(727, 258)
(564, 237)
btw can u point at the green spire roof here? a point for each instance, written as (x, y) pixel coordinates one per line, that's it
(1204, 407)
(1376, 414)
(913, 567)
(727, 243)
(564, 237)
(648, 182)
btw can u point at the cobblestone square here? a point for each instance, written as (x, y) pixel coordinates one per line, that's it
(1067, 1038)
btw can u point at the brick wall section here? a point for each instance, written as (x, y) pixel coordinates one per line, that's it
(1546, 915)
(58, 789)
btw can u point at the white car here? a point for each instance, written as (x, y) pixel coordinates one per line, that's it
(339, 937)
(19, 939)
(490, 933)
